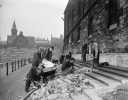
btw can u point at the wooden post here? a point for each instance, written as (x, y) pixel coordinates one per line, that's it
(18, 64)
(12, 66)
(15, 65)
(7, 68)
(24, 62)
(21, 62)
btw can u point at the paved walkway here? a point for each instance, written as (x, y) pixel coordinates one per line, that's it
(12, 86)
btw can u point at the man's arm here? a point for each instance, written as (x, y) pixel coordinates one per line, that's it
(37, 57)
(36, 84)
(44, 54)
(50, 56)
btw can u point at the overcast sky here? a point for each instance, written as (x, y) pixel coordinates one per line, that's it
(38, 18)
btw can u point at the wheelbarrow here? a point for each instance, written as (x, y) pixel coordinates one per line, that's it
(50, 73)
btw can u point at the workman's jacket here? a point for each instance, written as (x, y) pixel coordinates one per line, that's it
(32, 74)
(66, 64)
(36, 59)
(47, 54)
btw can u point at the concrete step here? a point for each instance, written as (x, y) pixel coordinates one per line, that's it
(94, 83)
(123, 69)
(112, 71)
(113, 76)
(94, 76)
(107, 75)
(85, 65)
(63, 99)
(105, 80)
(80, 97)
(91, 95)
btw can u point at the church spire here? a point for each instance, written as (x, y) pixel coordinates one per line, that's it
(14, 30)
(14, 25)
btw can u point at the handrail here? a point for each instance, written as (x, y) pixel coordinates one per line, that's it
(15, 64)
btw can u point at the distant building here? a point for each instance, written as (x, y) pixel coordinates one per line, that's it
(57, 41)
(20, 40)
(41, 41)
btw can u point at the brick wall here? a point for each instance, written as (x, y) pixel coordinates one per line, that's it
(110, 40)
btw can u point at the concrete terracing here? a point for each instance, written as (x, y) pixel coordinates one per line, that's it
(16, 53)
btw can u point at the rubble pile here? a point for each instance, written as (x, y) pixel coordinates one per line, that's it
(64, 88)
(83, 70)
(118, 93)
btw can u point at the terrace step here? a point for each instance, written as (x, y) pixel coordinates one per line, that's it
(112, 71)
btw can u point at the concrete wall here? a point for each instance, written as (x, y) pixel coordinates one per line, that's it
(117, 59)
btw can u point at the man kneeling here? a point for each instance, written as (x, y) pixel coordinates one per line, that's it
(67, 66)
(34, 75)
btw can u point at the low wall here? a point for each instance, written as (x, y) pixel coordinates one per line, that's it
(117, 59)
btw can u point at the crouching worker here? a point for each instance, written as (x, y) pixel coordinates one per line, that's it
(34, 75)
(61, 58)
(68, 66)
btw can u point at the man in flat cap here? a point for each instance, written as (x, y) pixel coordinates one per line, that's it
(37, 57)
(68, 65)
(34, 75)
(48, 53)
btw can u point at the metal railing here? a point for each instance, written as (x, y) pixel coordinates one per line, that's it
(14, 65)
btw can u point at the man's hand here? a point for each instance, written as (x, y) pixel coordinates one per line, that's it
(37, 84)
(42, 64)
(45, 59)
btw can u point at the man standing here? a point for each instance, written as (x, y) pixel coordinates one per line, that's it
(96, 54)
(84, 51)
(37, 59)
(48, 53)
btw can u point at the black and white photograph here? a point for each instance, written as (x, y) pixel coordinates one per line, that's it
(63, 49)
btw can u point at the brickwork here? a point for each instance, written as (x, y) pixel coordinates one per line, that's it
(112, 38)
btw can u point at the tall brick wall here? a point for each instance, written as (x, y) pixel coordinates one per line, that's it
(112, 41)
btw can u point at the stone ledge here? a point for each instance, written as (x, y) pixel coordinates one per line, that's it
(91, 94)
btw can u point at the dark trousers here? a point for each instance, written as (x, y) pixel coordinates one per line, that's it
(95, 63)
(45, 80)
(84, 56)
(28, 83)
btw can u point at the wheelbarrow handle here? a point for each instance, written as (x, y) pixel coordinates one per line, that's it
(25, 98)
